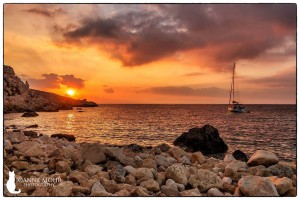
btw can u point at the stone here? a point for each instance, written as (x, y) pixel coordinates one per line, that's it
(103, 174)
(112, 152)
(257, 186)
(122, 193)
(125, 160)
(68, 137)
(180, 187)
(235, 169)
(204, 180)
(34, 151)
(31, 134)
(239, 155)
(78, 177)
(191, 193)
(16, 137)
(282, 184)
(164, 147)
(205, 139)
(291, 165)
(135, 148)
(178, 173)
(91, 170)
(62, 166)
(149, 163)
(262, 157)
(63, 189)
(38, 167)
(161, 178)
(198, 157)
(117, 173)
(171, 160)
(170, 192)
(139, 192)
(130, 170)
(93, 152)
(80, 189)
(7, 145)
(281, 170)
(110, 185)
(171, 184)
(129, 179)
(99, 190)
(238, 192)
(177, 152)
(40, 192)
(150, 185)
(214, 192)
(138, 162)
(228, 188)
(20, 165)
(185, 160)
(32, 126)
(161, 161)
(30, 114)
(291, 192)
(227, 180)
(143, 174)
(228, 158)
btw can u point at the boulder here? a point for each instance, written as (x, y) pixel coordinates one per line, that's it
(262, 157)
(161, 161)
(99, 190)
(281, 170)
(93, 152)
(139, 192)
(191, 193)
(122, 193)
(68, 137)
(91, 170)
(257, 186)
(7, 145)
(16, 137)
(117, 173)
(164, 147)
(171, 184)
(63, 189)
(204, 180)
(30, 114)
(170, 192)
(178, 173)
(34, 151)
(177, 152)
(143, 174)
(214, 192)
(112, 152)
(291, 192)
(62, 166)
(282, 184)
(205, 139)
(80, 189)
(150, 185)
(20, 164)
(239, 155)
(32, 126)
(31, 134)
(130, 170)
(198, 157)
(228, 158)
(149, 163)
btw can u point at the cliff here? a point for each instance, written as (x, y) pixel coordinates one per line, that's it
(18, 97)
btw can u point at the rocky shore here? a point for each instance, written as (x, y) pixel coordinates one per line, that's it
(93, 169)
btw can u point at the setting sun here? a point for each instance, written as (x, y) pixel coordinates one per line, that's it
(71, 92)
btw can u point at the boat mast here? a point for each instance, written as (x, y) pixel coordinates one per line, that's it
(233, 82)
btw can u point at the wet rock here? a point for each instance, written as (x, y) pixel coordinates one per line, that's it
(31, 134)
(125, 160)
(257, 186)
(34, 151)
(214, 192)
(197, 157)
(204, 180)
(228, 158)
(176, 152)
(149, 163)
(281, 170)
(161, 161)
(93, 152)
(17, 137)
(171, 184)
(91, 170)
(32, 126)
(178, 173)
(20, 165)
(164, 147)
(112, 152)
(262, 157)
(282, 184)
(30, 114)
(205, 139)
(191, 193)
(170, 192)
(68, 137)
(135, 148)
(239, 155)
(63, 189)
(150, 185)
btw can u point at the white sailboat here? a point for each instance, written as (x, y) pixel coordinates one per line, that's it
(234, 106)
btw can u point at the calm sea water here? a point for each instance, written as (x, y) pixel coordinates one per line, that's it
(268, 127)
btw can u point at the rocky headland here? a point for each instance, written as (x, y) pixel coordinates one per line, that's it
(94, 169)
(18, 97)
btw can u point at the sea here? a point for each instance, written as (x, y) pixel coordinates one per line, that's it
(266, 127)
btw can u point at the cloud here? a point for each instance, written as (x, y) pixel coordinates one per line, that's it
(223, 32)
(187, 91)
(194, 74)
(108, 90)
(52, 81)
(46, 12)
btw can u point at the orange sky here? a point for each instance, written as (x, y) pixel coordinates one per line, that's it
(119, 53)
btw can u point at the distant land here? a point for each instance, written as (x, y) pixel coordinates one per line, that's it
(18, 97)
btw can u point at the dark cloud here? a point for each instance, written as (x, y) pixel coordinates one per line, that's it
(46, 12)
(224, 32)
(52, 80)
(188, 91)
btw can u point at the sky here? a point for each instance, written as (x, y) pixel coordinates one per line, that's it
(155, 53)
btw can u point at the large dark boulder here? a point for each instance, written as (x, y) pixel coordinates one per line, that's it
(205, 139)
(239, 155)
(30, 114)
(68, 137)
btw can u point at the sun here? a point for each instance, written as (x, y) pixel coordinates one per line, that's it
(70, 92)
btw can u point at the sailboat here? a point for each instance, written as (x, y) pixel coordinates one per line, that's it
(234, 106)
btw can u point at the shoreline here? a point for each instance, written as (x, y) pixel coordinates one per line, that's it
(94, 169)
